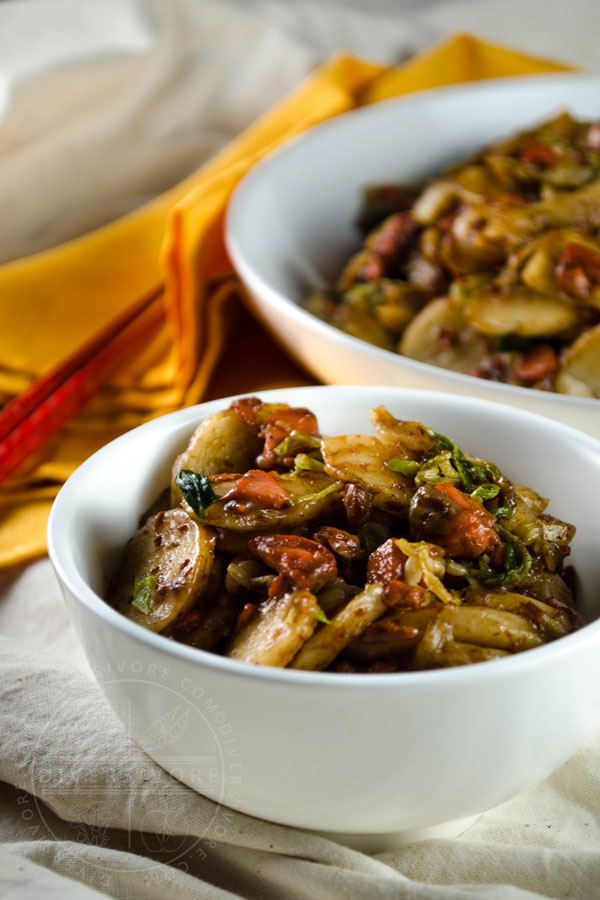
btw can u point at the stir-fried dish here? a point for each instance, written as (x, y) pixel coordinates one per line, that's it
(382, 552)
(492, 270)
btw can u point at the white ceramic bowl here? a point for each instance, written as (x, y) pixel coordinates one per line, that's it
(290, 225)
(363, 754)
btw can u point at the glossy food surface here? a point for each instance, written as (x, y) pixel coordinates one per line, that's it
(493, 269)
(356, 753)
(292, 225)
(369, 553)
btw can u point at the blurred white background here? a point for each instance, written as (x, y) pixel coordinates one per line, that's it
(104, 103)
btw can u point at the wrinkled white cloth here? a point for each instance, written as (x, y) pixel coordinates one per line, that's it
(102, 105)
(106, 104)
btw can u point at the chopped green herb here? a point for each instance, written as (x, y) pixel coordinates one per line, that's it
(305, 463)
(197, 491)
(321, 617)
(296, 440)
(143, 593)
(407, 467)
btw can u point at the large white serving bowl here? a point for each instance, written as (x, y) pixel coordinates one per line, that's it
(361, 754)
(290, 224)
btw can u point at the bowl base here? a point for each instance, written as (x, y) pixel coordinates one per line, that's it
(378, 843)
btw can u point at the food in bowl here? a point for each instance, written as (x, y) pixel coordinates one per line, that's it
(379, 553)
(488, 731)
(491, 270)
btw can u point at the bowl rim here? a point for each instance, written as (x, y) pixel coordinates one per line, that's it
(505, 668)
(239, 202)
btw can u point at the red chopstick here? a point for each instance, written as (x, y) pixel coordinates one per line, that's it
(29, 420)
(20, 406)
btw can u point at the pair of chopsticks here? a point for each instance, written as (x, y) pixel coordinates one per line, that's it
(30, 419)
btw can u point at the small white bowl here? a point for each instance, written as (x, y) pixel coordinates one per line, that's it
(290, 224)
(360, 754)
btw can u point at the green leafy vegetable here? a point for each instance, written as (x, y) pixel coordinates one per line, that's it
(336, 486)
(505, 512)
(296, 440)
(506, 504)
(530, 532)
(485, 492)
(517, 563)
(470, 472)
(321, 617)
(305, 463)
(407, 467)
(143, 593)
(459, 460)
(483, 471)
(197, 491)
(438, 469)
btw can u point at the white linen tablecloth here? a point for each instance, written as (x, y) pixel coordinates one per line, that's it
(102, 105)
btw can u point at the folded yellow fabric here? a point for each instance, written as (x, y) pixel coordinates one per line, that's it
(175, 245)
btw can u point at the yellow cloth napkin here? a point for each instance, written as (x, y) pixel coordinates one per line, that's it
(54, 301)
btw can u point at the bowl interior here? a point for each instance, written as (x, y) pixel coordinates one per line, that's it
(291, 221)
(98, 509)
